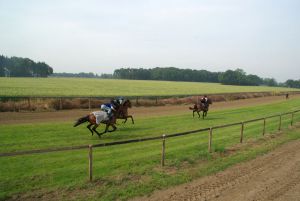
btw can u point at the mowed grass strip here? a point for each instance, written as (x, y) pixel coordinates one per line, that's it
(124, 171)
(60, 87)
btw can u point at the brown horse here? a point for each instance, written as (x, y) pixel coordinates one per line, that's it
(102, 118)
(201, 107)
(97, 117)
(122, 113)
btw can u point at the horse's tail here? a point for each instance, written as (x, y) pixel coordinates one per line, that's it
(191, 108)
(81, 120)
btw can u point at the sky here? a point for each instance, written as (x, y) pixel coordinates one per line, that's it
(261, 37)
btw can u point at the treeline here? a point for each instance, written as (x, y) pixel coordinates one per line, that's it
(23, 67)
(83, 75)
(170, 74)
(229, 77)
(239, 77)
(293, 83)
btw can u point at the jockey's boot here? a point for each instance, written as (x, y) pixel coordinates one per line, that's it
(110, 116)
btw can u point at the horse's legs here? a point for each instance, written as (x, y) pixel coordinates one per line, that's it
(131, 119)
(198, 114)
(89, 127)
(114, 128)
(106, 128)
(129, 116)
(94, 129)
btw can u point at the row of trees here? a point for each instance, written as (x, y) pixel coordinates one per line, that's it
(230, 77)
(83, 75)
(23, 67)
(293, 83)
(171, 74)
(239, 77)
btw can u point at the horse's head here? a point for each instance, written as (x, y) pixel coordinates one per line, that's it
(209, 101)
(127, 103)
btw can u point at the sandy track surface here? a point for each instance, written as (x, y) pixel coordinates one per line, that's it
(137, 112)
(274, 176)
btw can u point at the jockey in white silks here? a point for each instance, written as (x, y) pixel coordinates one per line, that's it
(204, 100)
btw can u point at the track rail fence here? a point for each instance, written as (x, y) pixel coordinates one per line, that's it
(162, 137)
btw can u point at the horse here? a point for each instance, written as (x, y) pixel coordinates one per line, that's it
(201, 107)
(122, 113)
(97, 117)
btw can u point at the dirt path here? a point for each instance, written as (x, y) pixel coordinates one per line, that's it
(137, 112)
(274, 176)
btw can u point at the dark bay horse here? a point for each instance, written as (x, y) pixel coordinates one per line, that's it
(122, 113)
(201, 107)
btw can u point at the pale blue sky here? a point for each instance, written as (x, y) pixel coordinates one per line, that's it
(259, 36)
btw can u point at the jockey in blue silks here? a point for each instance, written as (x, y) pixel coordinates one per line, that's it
(108, 108)
(112, 106)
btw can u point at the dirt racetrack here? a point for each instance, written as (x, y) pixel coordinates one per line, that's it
(274, 176)
(137, 112)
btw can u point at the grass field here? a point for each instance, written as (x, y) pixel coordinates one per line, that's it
(104, 87)
(125, 171)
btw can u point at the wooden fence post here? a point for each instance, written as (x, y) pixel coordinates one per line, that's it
(279, 128)
(137, 101)
(14, 103)
(90, 162)
(29, 104)
(89, 103)
(163, 150)
(292, 119)
(264, 129)
(242, 132)
(210, 139)
(60, 104)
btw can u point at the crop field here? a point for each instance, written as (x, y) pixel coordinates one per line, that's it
(106, 87)
(125, 171)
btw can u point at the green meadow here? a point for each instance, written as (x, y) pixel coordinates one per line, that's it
(125, 171)
(108, 87)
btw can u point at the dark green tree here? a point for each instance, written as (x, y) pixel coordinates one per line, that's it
(23, 67)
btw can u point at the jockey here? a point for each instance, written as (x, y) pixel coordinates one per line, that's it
(118, 101)
(108, 108)
(204, 101)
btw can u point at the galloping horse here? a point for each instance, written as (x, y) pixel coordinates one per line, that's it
(122, 113)
(201, 107)
(95, 118)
